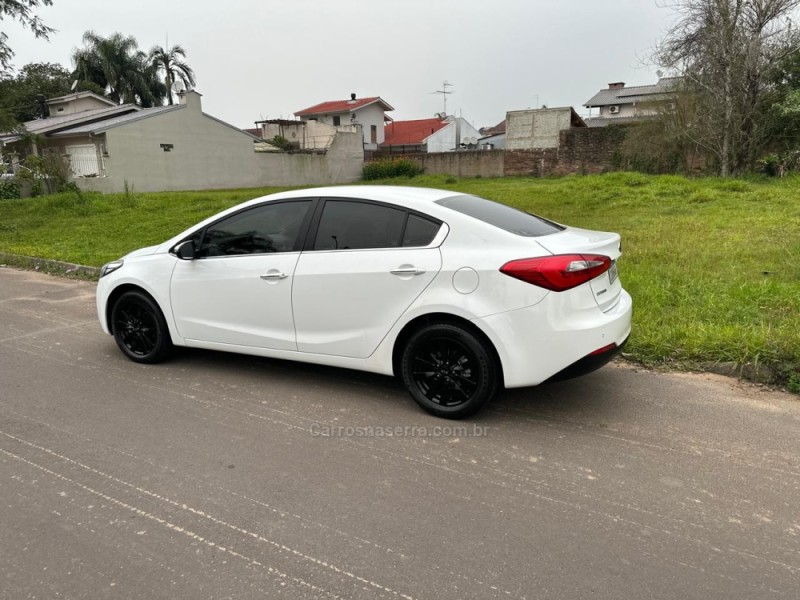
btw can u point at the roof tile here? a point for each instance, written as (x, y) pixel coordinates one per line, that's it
(341, 106)
(401, 133)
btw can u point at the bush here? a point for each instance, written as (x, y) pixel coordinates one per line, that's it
(9, 190)
(280, 142)
(386, 168)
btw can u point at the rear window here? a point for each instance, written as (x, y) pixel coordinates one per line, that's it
(509, 219)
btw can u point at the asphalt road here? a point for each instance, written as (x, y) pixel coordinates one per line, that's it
(209, 477)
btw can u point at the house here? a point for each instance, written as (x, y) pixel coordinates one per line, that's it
(311, 135)
(78, 102)
(630, 104)
(405, 137)
(539, 128)
(493, 138)
(369, 113)
(430, 135)
(176, 147)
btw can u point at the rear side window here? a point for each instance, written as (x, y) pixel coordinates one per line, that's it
(419, 231)
(502, 216)
(347, 225)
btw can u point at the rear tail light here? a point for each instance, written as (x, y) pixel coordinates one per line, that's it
(558, 273)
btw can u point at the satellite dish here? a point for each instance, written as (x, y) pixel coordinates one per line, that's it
(74, 85)
(660, 73)
(178, 87)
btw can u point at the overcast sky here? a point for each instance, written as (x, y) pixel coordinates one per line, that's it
(262, 59)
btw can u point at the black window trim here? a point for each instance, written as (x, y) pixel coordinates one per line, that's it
(308, 245)
(298, 242)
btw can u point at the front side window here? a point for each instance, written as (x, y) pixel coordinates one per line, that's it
(263, 229)
(349, 225)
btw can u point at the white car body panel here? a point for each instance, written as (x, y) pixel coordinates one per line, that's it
(240, 308)
(346, 301)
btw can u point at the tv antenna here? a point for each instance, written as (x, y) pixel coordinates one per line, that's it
(444, 94)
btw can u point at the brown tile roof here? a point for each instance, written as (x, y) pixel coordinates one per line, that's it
(402, 133)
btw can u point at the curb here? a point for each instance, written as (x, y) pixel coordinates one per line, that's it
(52, 267)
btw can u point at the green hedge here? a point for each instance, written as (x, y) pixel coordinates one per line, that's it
(386, 168)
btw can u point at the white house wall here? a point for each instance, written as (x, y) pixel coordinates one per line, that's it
(623, 110)
(446, 139)
(367, 117)
(72, 106)
(207, 154)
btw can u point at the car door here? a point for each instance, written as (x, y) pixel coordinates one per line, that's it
(238, 288)
(364, 266)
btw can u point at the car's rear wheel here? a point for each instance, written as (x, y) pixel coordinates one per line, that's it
(140, 329)
(449, 371)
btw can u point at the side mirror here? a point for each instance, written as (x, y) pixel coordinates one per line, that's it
(185, 250)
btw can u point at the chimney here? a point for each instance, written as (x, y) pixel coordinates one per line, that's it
(353, 96)
(618, 85)
(191, 99)
(42, 102)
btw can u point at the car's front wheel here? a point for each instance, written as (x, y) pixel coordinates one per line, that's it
(449, 371)
(140, 329)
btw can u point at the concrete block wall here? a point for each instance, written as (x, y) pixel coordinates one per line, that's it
(468, 163)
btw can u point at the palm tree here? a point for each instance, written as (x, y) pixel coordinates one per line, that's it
(117, 65)
(170, 62)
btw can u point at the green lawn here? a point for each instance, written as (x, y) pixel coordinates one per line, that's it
(713, 265)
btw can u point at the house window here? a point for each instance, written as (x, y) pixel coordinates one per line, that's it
(373, 134)
(337, 120)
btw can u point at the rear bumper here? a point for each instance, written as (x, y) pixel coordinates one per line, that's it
(589, 363)
(557, 336)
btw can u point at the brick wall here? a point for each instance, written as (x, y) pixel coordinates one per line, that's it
(539, 162)
(589, 149)
(581, 150)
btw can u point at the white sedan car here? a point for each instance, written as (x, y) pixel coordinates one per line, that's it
(456, 295)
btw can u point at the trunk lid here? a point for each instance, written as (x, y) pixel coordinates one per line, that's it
(606, 287)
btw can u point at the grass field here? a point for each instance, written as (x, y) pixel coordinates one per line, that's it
(713, 265)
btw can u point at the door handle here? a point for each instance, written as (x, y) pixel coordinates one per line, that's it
(407, 271)
(274, 276)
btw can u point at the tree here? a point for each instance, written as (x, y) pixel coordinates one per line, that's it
(726, 51)
(169, 62)
(18, 102)
(118, 66)
(22, 11)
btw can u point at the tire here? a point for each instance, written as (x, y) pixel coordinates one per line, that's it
(449, 371)
(140, 329)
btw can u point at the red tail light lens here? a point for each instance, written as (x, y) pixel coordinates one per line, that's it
(558, 273)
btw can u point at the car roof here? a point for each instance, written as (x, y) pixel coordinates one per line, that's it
(411, 197)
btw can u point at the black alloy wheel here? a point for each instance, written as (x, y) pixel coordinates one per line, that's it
(140, 329)
(449, 371)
